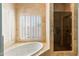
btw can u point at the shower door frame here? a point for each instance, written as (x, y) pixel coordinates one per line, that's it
(74, 34)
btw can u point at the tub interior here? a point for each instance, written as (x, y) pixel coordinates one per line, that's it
(24, 50)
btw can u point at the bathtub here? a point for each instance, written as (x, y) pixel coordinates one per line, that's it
(24, 49)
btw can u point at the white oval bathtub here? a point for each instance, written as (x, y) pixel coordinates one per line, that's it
(27, 49)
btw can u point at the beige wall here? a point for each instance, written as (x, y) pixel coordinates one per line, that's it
(8, 24)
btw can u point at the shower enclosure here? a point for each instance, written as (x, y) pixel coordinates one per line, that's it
(63, 29)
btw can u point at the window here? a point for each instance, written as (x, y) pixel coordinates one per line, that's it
(30, 27)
